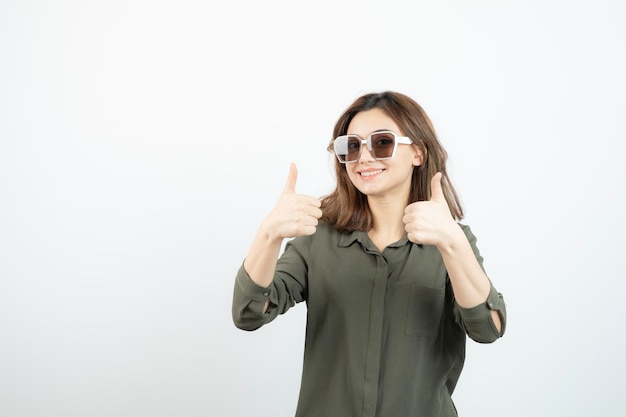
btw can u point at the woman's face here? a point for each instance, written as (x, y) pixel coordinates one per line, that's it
(381, 178)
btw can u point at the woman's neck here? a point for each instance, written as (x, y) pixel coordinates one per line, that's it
(387, 216)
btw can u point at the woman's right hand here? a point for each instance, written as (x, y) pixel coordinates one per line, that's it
(294, 214)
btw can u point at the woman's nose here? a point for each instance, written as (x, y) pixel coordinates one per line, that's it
(365, 156)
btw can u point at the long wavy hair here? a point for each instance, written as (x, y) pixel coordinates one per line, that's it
(346, 209)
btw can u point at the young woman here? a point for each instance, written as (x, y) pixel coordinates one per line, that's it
(393, 283)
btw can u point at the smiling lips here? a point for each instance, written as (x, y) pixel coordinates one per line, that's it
(370, 173)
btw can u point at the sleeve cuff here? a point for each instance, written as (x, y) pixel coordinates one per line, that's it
(251, 289)
(478, 322)
(249, 300)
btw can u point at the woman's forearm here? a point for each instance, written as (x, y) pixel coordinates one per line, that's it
(469, 282)
(260, 262)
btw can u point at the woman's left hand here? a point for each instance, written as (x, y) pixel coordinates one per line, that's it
(430, 222)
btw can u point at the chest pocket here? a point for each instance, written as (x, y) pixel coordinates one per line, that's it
(425, 311)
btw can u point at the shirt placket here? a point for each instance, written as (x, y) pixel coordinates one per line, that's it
(374, 340)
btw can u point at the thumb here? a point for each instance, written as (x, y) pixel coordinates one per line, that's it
(436, 191)
(290, 185)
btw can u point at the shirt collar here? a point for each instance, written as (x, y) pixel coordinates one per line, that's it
(348, 239)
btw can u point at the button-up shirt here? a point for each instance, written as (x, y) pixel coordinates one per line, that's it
(385, 336)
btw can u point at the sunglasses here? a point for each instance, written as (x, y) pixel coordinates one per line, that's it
(381, 145)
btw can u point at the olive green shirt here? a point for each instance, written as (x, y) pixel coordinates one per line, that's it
(384, 336)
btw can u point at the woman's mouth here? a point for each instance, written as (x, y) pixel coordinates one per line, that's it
(370, 173)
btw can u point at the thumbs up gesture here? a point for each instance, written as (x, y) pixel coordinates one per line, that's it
(294, 214)
(430, 222)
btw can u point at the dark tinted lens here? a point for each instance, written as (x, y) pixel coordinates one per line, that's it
(383, 144)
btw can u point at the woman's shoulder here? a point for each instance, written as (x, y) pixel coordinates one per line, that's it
(469, 233)
(466, 228)
(324, 232)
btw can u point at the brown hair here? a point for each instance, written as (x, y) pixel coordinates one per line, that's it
(346, 208)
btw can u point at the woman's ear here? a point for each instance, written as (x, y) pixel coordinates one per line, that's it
(418, 159)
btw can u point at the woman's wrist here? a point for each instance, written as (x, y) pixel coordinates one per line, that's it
(453, 238)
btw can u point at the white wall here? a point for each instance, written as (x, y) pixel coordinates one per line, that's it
(141, 142)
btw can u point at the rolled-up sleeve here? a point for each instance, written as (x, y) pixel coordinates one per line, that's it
(478, 321)
(287, 289)
(248, 302)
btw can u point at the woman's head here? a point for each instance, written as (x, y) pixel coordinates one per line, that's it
(347, 207)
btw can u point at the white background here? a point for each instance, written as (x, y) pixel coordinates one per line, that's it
(141, 143)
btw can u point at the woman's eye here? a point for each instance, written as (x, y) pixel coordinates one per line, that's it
(353, 145)
(384, 141)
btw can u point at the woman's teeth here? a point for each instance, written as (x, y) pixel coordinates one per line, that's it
(370, 173)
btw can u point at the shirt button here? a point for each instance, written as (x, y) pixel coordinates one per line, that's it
(490, 305)
(267, 294)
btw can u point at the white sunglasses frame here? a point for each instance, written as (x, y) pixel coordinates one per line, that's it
(398, 140)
